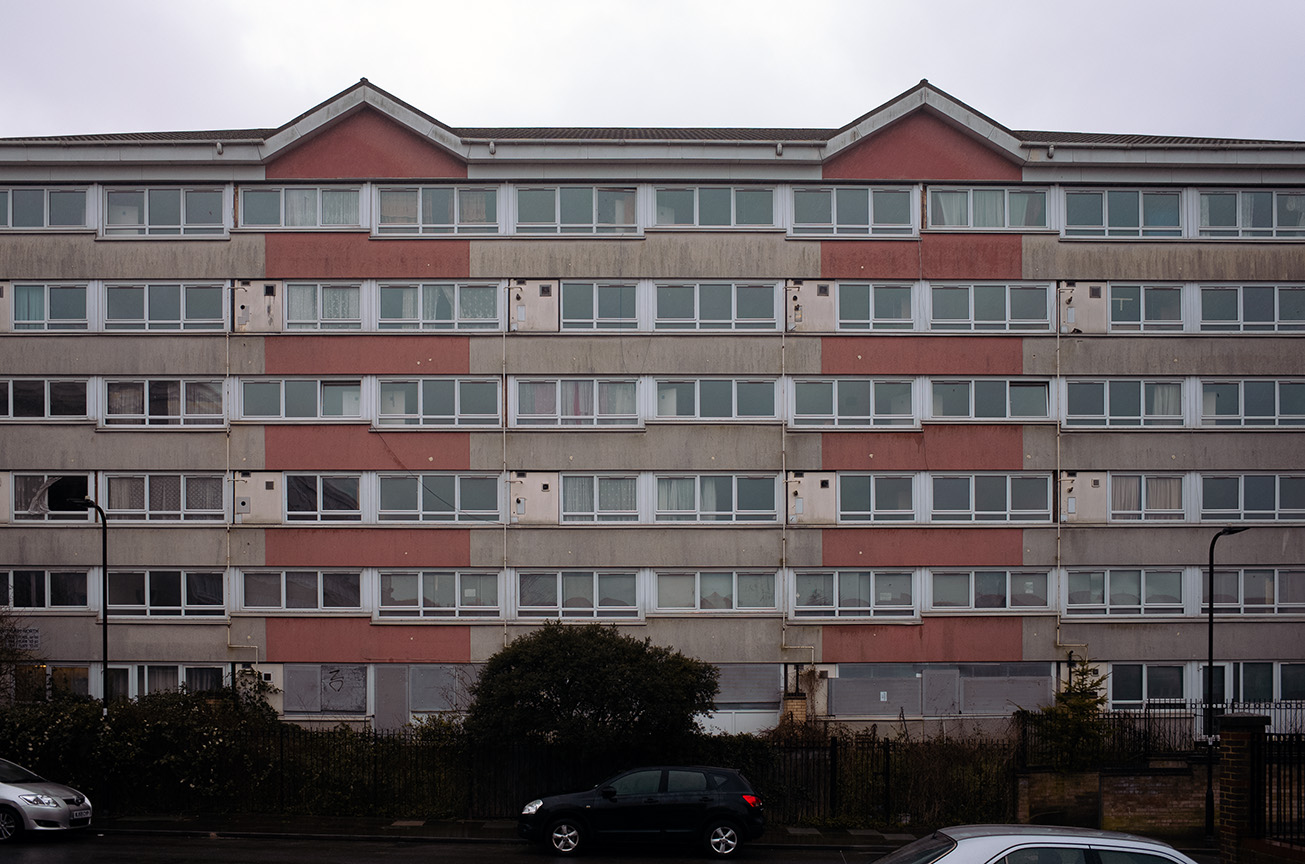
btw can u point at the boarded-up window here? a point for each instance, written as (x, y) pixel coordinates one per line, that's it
(326, 689)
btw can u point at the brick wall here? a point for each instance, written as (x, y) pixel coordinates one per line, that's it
(1164, 802)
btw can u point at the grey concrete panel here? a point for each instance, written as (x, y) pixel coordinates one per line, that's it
(247, 355)
(658, 255)
(726, 640)
(66, 638)
(1049, 257)
(248, 452)
(247, 547)
(1177, 641)
(651, 546)
(69, 546)
(1040, 638)
(646, 354)
(1114, 354)
(82, 256)
(1154, 544)
(247, 638)
(75, 447)
(1190, 450)
(114, 354)
(174, 642)
(659, 447)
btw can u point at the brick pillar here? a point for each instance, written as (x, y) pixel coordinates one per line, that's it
(1240, 792)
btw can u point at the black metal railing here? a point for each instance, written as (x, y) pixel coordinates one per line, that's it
(1281, 768)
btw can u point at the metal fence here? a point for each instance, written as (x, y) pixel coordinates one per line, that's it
(1281, 759)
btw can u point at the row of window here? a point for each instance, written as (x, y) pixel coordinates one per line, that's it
(645, 305)
(649, 498)
(616, 209)
(801, 402)
(631, 592)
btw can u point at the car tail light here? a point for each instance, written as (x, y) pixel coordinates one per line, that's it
(752, 800)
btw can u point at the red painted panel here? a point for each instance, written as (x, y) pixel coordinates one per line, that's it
(953, 354)
(368, 547)
(921, 146)
(366, 144)
(935, 448)
(933, 640)
(922, 547)
(358, 448)
(934, 256)
(357, 256)
(357, 640)
(311, 354)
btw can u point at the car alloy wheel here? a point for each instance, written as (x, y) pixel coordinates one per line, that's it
(722, 839)
(11, 824)
(564, 837)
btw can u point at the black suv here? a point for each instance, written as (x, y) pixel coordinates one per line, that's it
(715, 807)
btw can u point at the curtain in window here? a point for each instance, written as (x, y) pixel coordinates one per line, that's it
(29, 303)
(341, 303)
(578, 400)
(1164, 400)
(438, 303)
(949, 208)
(126, 397)
(618, 493)
(399, 302)
(577, 495)
(989, 208)
(537, 397)
(302, 302)
(473, 205)
(162, 679)
(1126, 497)
(1164, 493)
(165, 401)
(165, 494)
(339, 207)
(300, 207)
(616, 397)
(203, 397)
(478, 302)
(127, 493)
(203, 679)
(675, 494)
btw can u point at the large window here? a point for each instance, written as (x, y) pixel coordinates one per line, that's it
(1258, 497)
(439, 402)
(852, 402)
(300, 207)
(41, 306)
(577, 594)
(1253, 403)
(1124, 592)
(876, 498)
(991, 498)
(716, 306)
(1123, 213)
(439, 306)
(301, 399)
(715, 206)
(43, 589)
(716, 498)
(990, 307)
(853, 211)
(439, 498)
(599, 306)
(987, 208)
(165, 497)
(163, 402)
(576, 402)
(438, 210)
(314, 306)
(1255, 591)
(1253, 308)
(1134, 685)
(989, 589)
(322, 498)
(854, 593)
(1146, 307)
(303, 589)
(600, 498)
(715, 591)
(865, 306)
(166, 593)
(162, 212)
(42, 399)
(51, 497)
(1252, 213)
(1146, 497)
(438, 594)
(990, 400)
(1124, 402)
(576, 210)
(164, 307)
(39, 208)
(715, 399)
(328, 688)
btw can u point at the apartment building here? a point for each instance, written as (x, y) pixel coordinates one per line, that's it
(888, 421)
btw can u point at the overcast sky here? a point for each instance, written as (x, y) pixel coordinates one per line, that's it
(1174, 67)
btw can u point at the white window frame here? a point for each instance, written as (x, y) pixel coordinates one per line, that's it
(843, 224)
(881, 603)
(598, 514)
(1147, 700)
(873, 320)
(1240, 513)
(21, 511)
(184, 416)
(459, 319)
(700, 512)
(734, 223)
(704, 580)
(458, 511)
(837, 418)
(8, 205)
(1108, 230)
(47, 322)
(1240, 600)
(877, 513)
(559, 608)
(148, 228)
(695, 321)
(465, 595)
(936, 213)
(318, 194)
(597, 321)
(1241, 324)
(1108, 419)
(8, 396)
(321, 513)
(183, 321)
(972, 514)
(320, 589)
(424, 416)
(320, 319)
(695, 387)
(985, 577)
(1149, 307)
(1007, 323)
(597, 418)
(594, 225)
(185, 608)
(461, 223)
(321, 387)
(9, 592)
(1241, 416)
(1106, 598)
(1146, 511)
(1239, 230)
(972, 388)
(147, 513)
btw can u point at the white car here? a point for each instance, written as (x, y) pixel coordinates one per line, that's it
(31, 803)
(1033, 844)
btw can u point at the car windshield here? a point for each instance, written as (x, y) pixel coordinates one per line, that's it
(922, 851)
(11, 773)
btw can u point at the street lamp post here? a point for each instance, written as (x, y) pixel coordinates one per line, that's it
(1209, 688)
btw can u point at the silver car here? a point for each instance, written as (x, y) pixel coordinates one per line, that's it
(1033, 844)
(31, 803)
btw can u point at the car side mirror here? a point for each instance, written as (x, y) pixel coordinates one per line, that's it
(609, 792)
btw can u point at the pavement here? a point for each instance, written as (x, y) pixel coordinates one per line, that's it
(486, 831)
